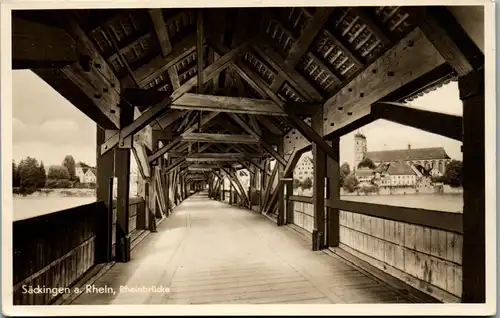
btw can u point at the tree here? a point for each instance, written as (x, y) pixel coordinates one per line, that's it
(345, 170)
(29, 174)
(69, 163)
(42, 176)
(351, 183)
(59, 173)
(296, 183)
(453, 174)
(307, 184)
(16, 179)
(366, 163)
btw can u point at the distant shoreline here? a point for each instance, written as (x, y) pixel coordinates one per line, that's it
(69, 192)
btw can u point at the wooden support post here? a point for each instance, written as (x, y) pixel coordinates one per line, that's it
(167, 185)
(281, 187)
(230, 193)
(289, 203)
(105, 173)
(471, 89)
(150, 216)
(319, 161)
(333, 193)
(122, 172)
(263, 177)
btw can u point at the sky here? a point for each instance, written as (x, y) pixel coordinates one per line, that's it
(46, 126)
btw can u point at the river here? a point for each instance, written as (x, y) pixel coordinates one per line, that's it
(31, 206)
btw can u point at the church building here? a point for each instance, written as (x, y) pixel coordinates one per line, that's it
(433, 159)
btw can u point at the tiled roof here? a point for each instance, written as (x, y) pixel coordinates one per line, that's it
(408, 154)
(364, 172)
(400, 168)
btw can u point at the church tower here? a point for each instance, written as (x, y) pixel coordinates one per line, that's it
(359, 149)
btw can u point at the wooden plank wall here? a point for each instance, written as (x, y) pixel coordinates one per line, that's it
(427, 259)
(53, 250)
(303, 215)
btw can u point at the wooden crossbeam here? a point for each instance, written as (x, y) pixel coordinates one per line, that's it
(159, 65)
(448, 37)
(297, 122)
(177, 162)
(173, 75)
(36, 45)
(411, 58)
(266, 146)
(78, 82)
(216, 157)
(161, 31)
(227, 104)
(168, 119)
(204, 122)
(200, 102)
(153, 112)
(140, 155)
(220, 138)
(287, 173)
(438, 123)
(236, 181)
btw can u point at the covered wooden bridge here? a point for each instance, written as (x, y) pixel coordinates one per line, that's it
(196, 95)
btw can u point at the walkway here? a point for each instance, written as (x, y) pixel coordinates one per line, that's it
(211, 252)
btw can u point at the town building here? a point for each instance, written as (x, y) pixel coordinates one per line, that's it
(304, 168)
(85, 173)
(434, 159)
(395, 174)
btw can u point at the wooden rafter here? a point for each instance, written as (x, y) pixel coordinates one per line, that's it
(205, 121)
(301, 45)
(448, 37)
(266, 146)
(411, 58)
(153, 112)
(161, 31)
(220, 138)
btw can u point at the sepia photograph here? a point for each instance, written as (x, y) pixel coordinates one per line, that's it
(248, 155)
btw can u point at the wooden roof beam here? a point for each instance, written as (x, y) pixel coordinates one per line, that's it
(446, 125)
(161, 31)
(199, 50)
(36, 45)
(409, 59)
(285, 72)
(297, 122)
(266, 146)
(302, 44)
(448, 37)
(155, 111)
(159, 65)
(220, 138)
(204, 123)
(90, 85)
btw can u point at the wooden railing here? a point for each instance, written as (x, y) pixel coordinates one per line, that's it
(53, 251)
(422, 248)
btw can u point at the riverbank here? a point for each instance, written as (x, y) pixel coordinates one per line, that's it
(85, 193)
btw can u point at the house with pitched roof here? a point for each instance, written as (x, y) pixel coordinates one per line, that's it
(395, 174)
(85, 173)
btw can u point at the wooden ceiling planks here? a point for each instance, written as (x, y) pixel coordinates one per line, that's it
(347, 58)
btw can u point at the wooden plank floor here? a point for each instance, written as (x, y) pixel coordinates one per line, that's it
(208, 252)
